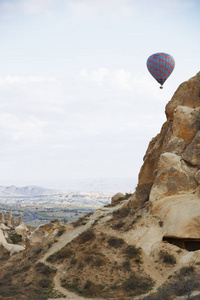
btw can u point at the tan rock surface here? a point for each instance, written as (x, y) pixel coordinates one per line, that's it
(21, 230)
(116, 198)
(192, 151)
(182, 125)
(2, 238)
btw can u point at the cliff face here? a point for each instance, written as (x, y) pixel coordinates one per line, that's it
(172, 159)
(170, 176)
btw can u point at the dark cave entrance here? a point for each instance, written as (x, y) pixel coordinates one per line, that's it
(184, 243)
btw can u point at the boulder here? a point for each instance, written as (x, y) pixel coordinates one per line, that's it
(192, 152)
(44, 232)
(172, 177)
(117, 198)
(22, 230)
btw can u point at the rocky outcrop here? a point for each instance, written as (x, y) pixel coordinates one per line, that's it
(8, 225)
(170, 176)
(9, 221)
(117, 198)
(172, 158)
(6, 248)
(47, 231)
(21, 230)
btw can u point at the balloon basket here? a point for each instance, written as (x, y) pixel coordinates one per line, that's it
(161, 87)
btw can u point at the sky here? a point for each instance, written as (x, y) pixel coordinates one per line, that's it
(76, 98)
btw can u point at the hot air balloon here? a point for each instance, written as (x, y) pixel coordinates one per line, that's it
(160, 65)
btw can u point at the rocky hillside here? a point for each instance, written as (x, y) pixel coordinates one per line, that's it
(141, 246)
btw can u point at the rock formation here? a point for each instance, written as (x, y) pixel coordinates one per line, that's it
(177, 141)
(8, 225)
(116, 198)
(169, 180)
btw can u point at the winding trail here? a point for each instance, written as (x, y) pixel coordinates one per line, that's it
(70, 234)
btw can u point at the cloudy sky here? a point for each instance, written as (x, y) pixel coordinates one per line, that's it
(76, 99)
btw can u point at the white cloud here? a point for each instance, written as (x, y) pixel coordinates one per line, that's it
(9, 80)
(38, 6)
(121, 79)
(33, 7)
(26, 129)
(103, 76)
(89, 9)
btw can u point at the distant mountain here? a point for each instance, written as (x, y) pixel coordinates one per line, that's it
(102, 185)
(29, 191)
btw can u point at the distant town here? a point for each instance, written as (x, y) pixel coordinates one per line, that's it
(38, 206)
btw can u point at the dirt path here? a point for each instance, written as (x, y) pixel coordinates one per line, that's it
(70, 234)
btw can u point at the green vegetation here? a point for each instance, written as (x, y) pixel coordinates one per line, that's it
(121, 213)
(181, 284)
(167, 258)
(132, 251)
(15, 238)
(62, 254)
(44, 269)
(115, 242)
(90, 289)
(86, 236)
(45, 283)
(136, 285)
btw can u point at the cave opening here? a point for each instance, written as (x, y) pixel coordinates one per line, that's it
(190, 244)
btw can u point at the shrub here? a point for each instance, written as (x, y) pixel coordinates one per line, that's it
(121, 213)
(164, 293)
(115, 242)
(60, 255)
(15, 238)
(44, 269)
(185, 271)
(73, 261)
(183, 284)
(45, 283)
(167, 258)
(186, 282)
(118, 225)
(126, 265)
(88, 284)
(132, 251)
(98, 262)
(94, 260)
(60, 232)
(86, 236)
(82, 220)
(136, 285)
(91, 289)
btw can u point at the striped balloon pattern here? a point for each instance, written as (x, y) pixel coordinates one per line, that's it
(160, 65)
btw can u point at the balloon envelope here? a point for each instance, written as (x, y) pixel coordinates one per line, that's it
(160, 65)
